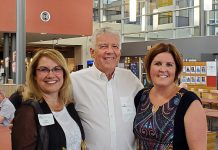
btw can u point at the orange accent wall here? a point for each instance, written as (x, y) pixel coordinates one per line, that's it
(71, 17)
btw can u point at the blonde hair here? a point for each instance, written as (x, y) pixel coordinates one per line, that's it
(32, 90)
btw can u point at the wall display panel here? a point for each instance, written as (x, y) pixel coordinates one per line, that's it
(195, 74)
(192, 74)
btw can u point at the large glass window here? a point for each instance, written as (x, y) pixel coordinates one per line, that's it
(165, 18)
(112, 13)
(162, 3)
(184, 3)
(155, 19)
(132, 27)
(184, 17)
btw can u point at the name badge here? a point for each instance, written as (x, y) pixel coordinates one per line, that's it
(45, 119)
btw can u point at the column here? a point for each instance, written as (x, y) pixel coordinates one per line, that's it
(13, 51)
(6, 57)
(21, 41)
(202, 19)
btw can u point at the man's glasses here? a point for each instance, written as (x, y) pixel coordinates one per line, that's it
(56, 70)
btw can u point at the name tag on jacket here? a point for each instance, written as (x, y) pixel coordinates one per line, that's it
(46, 119)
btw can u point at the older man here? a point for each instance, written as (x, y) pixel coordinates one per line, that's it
(104, 95)
(6, 110)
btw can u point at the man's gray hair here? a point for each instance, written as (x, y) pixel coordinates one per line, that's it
(101, 31)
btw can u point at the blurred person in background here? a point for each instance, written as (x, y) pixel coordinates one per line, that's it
(6, 110)
(16, 98)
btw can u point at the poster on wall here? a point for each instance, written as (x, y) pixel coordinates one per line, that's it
(183, 79)
(203, 80)
(193, 79)
(198, 80)
(188, 79)
(198, 69)
(211, 68)
(203, 69)
(183, 69)
(187, 69)
(192, 69)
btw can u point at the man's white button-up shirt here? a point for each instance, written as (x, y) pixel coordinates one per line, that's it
(106, 108)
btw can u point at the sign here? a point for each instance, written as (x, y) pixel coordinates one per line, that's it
(45, 16)
(211, 68)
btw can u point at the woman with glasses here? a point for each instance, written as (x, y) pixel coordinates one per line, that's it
(47, 119)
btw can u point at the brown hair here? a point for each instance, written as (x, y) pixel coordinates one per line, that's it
(32, 90)
(161, 48)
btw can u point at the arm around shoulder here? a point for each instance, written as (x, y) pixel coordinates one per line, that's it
(196, 126)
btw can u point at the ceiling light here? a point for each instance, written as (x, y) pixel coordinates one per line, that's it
(208, 5)
(132, 10)
(43, 33)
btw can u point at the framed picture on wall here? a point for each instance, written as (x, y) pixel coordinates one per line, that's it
(183, 79)
(193, 79)
(203, 69)
(198, 69)
(203, 80)
(187, 69)
(198, 80)
(192, 69)
(183, 69)
(188, 79)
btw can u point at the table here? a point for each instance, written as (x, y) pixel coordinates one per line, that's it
(210, 102)
(214, 93)
(211, 115)
(201, 91)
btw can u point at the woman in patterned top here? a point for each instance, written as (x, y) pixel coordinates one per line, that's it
(168, 117)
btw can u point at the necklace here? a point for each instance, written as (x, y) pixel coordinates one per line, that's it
(154, 109)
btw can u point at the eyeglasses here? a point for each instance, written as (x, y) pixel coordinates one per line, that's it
(56, 70)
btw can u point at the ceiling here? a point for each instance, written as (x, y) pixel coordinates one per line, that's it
(36, 37)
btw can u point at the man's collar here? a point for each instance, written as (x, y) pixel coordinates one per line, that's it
(101, 75)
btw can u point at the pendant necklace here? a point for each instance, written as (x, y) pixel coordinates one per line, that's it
(154, 109)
